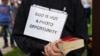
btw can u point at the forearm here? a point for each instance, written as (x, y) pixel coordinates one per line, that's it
(28, 44)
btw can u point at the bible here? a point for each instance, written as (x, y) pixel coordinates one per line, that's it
(70, 44)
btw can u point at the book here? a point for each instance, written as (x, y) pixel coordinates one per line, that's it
(70, 44)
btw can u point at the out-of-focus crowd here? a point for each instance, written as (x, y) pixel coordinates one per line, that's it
(8, 10)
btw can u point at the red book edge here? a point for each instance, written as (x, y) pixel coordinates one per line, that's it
(69, 38)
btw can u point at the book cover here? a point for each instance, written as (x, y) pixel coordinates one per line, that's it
(70, 44)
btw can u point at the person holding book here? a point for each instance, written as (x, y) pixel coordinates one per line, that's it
(75, 26)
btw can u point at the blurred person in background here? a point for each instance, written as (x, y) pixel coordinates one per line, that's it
(90, 2)
(87, 4)
(6, 21)
(87, 8)
(15, 5)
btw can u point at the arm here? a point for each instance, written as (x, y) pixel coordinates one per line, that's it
(25, 43)
(28, 44)
(12, 18)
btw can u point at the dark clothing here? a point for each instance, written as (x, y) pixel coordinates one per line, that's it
(89, 51)
(75, 25)
(5, 21)
(6, 27)
(88, 13)
(0, 53)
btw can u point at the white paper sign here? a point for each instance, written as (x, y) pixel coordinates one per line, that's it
(44, 24)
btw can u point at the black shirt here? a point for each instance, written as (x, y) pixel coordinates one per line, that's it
(75, 25)
(0, 53)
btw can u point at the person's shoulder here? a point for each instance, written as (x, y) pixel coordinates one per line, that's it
(74, 2)
(25, 1)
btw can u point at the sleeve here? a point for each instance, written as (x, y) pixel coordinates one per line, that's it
(25, 43)
(28, 44)
(80, 26)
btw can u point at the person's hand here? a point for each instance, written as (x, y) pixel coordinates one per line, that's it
(51, 49)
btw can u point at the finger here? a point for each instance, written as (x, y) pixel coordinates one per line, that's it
(43, 53)
(55, 54)
(58, 54)
(57, 41)
(49, 49)
(51, 52)
(55, 47)
(46, 51)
